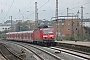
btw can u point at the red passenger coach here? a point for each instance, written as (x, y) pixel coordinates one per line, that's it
(27, 36)
(20, 36)
(44, 36)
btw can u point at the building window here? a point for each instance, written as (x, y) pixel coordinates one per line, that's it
(68, 29)
(83, 23)
(75, 29)
(57, 24)
(68, 24)
(5, 28)
(62, 23)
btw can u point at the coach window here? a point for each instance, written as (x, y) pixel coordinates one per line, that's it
(13, 35)
(20, 35)
(10, 35)
(28, 35)
(31, 35)
(25, 35)
(16, 35)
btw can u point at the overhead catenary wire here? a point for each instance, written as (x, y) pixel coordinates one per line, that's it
(8, 5)
(44, 4)
(26, 6)
(23, 8)
(9, 9)
(13, 7)
(40, 7)
(78, 6)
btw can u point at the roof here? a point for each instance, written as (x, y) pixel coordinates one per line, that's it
(64, 17)
(20, 32)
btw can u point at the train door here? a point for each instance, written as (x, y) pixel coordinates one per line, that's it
(21, 35)
(31, 36)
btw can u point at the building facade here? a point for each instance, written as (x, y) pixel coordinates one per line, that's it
(86, 22)
(4, 27)
(67, 26)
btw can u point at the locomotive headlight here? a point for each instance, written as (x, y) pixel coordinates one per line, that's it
(44, 36)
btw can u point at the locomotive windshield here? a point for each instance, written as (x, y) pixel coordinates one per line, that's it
(47, 31)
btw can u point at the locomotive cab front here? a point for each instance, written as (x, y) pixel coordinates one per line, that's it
(48, 34)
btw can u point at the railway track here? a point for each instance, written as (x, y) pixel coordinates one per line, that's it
(74, 50)
(84, 47)
(39, 52)
(8, 54)
(55, 54)
(45, 54)
(81, 54)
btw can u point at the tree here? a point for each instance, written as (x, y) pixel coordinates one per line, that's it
(22, 26)
(3, 35)
(18, 26)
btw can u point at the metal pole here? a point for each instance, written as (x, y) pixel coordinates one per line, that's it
(67, 11)
(56, 9)
(81, 21)
(57, 16)
(78, 28)
(72, 29)
(36, 14)
(11, 23)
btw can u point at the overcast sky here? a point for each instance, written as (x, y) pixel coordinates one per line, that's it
(25, 9)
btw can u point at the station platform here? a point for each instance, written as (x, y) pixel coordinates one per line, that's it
(75, 43)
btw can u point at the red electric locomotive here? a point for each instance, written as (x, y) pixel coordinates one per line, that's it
(42, 36)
